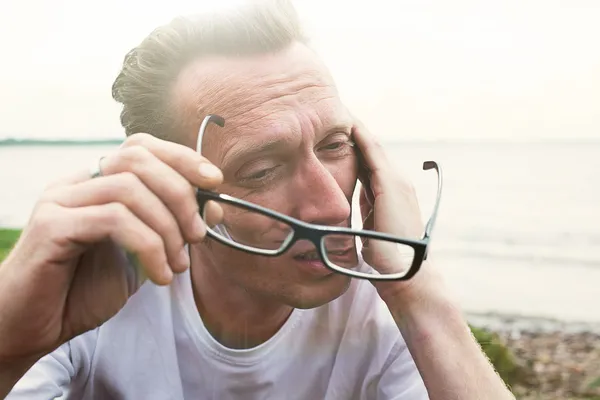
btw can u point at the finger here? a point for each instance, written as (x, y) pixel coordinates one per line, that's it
(380, 176)
(364, 176)
(76, 177)
(128, 189)
(114, 221)
(213, 213)
(366, 210)
(371, 151)
(173, 189)
(365, 204)
(186, 161)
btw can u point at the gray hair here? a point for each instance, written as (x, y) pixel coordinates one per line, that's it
(150, 70)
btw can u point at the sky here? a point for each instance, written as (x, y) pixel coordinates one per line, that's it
(411, 70)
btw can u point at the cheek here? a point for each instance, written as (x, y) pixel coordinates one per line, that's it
(254, 229)
(345, 173)
(230, 260)
(245, 267)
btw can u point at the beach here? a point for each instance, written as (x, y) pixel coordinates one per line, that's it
(554, 360)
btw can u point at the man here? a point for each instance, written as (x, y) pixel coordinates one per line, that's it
(214, 322)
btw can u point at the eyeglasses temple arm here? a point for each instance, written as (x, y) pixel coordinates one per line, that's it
(215, 119)
(427, 165)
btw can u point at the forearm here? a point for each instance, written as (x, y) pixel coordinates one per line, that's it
(448, 357)
(12, 368)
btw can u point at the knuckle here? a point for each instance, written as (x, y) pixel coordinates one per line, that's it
(133, 155)
(173, 243)
(168, 228)
(137, 139)
(182, 191)
(152, 243)
(50, 194)
(124, 187)
(54, 184)
(115, 213)
(127, 181)
(47, 220)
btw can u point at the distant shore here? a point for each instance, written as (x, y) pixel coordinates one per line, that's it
(12, 141)
(498, 322)
(59, 142)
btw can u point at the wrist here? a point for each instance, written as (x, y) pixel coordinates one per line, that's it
(425, 287)
(422, 304)
(439, 339)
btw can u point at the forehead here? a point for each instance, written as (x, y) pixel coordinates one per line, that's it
(288, 90)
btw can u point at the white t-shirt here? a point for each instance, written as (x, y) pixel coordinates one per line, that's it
(157, 347)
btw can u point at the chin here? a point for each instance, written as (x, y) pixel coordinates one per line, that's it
(318, 294)
(280, 281)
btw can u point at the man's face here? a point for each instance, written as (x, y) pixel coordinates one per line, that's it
(286, 146)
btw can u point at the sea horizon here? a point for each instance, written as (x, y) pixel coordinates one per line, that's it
(28, 141)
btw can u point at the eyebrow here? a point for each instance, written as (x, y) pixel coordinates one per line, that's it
(245, 150)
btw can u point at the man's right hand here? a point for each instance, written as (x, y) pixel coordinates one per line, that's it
(68, 272)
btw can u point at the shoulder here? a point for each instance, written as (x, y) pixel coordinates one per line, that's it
(143, 321)
(143, 315)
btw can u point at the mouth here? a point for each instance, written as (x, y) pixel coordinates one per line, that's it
(333, 255)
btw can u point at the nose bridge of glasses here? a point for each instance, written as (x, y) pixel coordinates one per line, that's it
(322, 240)
(307, 234)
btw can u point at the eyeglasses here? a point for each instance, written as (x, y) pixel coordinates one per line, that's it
(258, 230)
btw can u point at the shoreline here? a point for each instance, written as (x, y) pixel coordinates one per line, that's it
(504, 322)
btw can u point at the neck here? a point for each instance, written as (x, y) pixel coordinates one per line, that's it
(235, 317)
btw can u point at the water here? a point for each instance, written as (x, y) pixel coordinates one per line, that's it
(518, 230)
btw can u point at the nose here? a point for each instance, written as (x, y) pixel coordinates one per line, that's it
(319, 198)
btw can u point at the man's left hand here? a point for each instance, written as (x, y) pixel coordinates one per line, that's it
(388, 204)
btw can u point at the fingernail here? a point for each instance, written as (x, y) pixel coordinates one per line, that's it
(199, 227)
(210, 171)
(184, 259)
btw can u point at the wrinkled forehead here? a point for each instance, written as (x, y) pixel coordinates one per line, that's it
(258, 96)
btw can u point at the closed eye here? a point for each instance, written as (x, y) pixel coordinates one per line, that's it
(260, 175)
(338, 145)
(334, 146)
